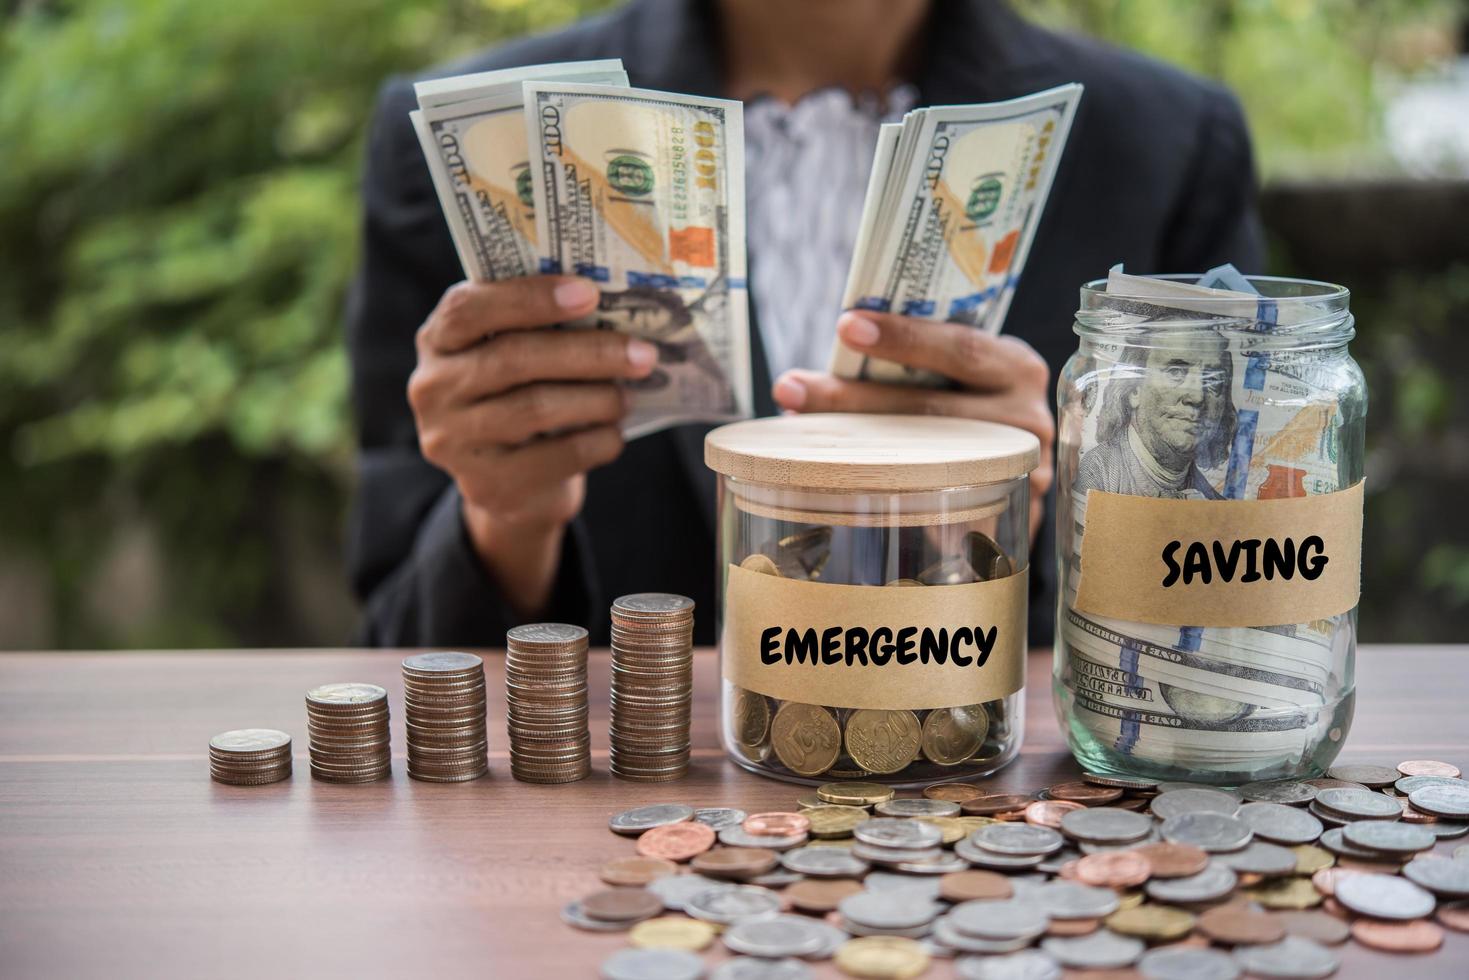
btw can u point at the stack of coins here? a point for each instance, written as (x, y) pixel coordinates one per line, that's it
(444, 710)
(546, 703)
(652, 681)
(348, 725)
(250, 757)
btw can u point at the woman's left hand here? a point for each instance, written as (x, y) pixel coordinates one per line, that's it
(1002, 377)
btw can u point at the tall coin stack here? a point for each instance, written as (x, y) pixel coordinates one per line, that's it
(348, 727)
(250, 757)
(652, 681)
(444, 711)
(546, 703)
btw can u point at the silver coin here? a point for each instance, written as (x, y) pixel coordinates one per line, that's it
(1260, 858)
(546, 633)
(832, 940)
(1215, 881)
(887, 910)
(885, 881)
(945, 863)
(1006, 919)
(755, 968)
(659, 603)
(632, 822)
(779, 878)
(1073, 900)
(1334, 840)
(250, 740)
(1017, 838)
(1442, 800)
(573, 915)
(1329, 818)
(897, 832)
(1383, 896)
(1207, 829)
(856, 929)
(1187, 964)
(1280, 823)
(824, 862)
(1094, 847)
(448, 662)
(719, 817)
(947, 934)
(1408, 784)
(1374, 776)
(1170, 785)
(1101, 824)
(1100, 950)
(738, 836)
(1461, 852)
(1447, 829)
(776, 936)
(675, 890)
(1194, 800)
(1119, 782)
(652, 964)
(917, 808)
(1052, 863)
(1028, 964)
(1391, 836)
(890, 856)
(1286, 791)
(1362, 804)
(1292, 957)
(1440, 875)
(728, 903)
(977, 855)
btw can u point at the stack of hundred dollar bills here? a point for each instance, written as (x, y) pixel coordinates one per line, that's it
(1240, 701)
(565, 169)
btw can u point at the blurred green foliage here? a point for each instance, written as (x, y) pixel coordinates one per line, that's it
(178, 222)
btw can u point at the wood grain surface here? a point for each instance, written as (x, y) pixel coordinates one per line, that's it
(120, 858)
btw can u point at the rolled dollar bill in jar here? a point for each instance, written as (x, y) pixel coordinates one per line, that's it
(1209, 527)
(873, 574)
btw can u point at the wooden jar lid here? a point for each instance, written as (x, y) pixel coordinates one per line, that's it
(871, 453)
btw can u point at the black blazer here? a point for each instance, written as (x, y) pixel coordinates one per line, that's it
(1157, 174)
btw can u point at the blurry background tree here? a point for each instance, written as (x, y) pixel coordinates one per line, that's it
(178, 221)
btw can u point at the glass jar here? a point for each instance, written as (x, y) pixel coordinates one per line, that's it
(873, 596)
(1209, 488)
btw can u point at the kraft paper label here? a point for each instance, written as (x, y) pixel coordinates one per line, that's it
(1221, 562)
(867, 646)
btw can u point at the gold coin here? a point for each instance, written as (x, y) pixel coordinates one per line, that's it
(671, 932)
(882, 958)
(985, 557)
(763, 564)
(952, 735)
(883, 742)
(1156, 923)
(1311, 859)
(831, 842)
(1129, 900)
(806, 738)
(973, 823)
(855, 793)
(952, 827)
(829, 820)
(809, 799)
(904, 583)
(751, 716)
(1285, 893)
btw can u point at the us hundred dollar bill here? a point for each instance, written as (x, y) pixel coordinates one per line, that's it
(472, 131)
(643, 192)
(952, 207)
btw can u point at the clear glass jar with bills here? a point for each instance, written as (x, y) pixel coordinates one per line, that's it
(1209, 487)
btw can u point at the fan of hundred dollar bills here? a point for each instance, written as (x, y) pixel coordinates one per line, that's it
(1240, 703)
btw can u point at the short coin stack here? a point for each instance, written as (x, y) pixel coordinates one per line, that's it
(652, 682)
(348, 725)
(444, 711)
(250, 757)
(546, 703)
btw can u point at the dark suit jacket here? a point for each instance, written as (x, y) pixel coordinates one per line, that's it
(1157, 174)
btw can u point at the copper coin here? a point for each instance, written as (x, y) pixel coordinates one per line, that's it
(952, 792)
(1113, 869)
(966, 886)
(1311, 924)
(675, 841)
(1238, 926)
(1048, 813)
(1068, 869)
(1428, 767)
(1455, 915)
(621, 904)
(635, 871)
(1368, 867)
(1417, 936)
(1088, 794)
(817, 895)
(1011, 816)
(995, 804)
(1333, 907)
(1325, 880)
(778, 824)
(736, 862)
(1073, 927)
(1173, 860)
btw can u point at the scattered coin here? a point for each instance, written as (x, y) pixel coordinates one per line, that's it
(675, 890)
(812, 895)
(830, 821)
(1310, 858)
(573, 915)
(1152, 923)
(1418, 936)
(967, 886)
(652, 964)
(1408, 784)
(1287, 791)
(1454, 915)
(1088, 794)
(635, 871)
(1442, 800)
(1373, 776)
(1291, 957)
(887, 910)
(1215, 881)
(1426, 767)
(1101, 950)
(740, 837)
(917, 808)
(1236, 926)
(1210, 830)
(1394, 838)
(855, 793)
(1358, 804)
(676, 841)
(882, 957)
(1026, 964)
(1183, 963)
(1114, 869)
(1440, 875)
(633, 822)
(621, 904)
(1017, 838)
(1316, 926)
(1384, 897)
(895, 832)
(1005, 919)
(776, 824)
(953, 792)
(991, 804)
(1193, 800)
(727, 903)
(823, 862)
(1284, 893)
(1260, 858)
(1048, 813)
(1280, 823)
(1106, 825)
(1167, 860)
(1063, 899)
(671, 932)
(775, 936)
(719, 817)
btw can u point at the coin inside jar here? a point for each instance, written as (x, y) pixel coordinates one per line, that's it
(805, 738)
(883, 742)
(952, 735)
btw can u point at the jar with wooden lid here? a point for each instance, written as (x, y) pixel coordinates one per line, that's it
(873, 586)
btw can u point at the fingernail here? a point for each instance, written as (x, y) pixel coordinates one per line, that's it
(575, 294)
(641, 354)
(858, 330)
(790, 393)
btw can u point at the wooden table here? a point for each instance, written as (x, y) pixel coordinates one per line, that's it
(120, 858)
